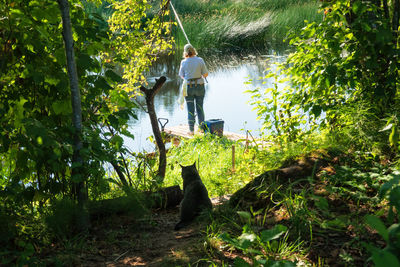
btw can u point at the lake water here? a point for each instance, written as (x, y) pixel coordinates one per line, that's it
(225, 95)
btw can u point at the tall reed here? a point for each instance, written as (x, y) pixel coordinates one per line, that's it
(242, 24)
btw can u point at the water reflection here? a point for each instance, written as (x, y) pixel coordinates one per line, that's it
(225, 98)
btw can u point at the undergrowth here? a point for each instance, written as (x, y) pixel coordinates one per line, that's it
(331, 217)
(213, 157)
(345, 213)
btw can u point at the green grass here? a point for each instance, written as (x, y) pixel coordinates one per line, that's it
(242, 24)
(213, 157)
(330, 204)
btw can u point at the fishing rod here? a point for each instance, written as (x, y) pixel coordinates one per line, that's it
(179, 22)
(180, 25)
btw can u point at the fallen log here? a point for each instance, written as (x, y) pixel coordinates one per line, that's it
(250, 194)
(136, 203)
(166, 197)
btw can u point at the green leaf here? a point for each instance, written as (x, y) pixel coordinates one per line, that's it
(38, 13)
(84, 61)
(394, 136)
(357, 7)
(117, 140)
(239, 262)
(316, 110)
(394, 197)
(228, 239)
(19, 111)
(394, 235)
(241, 244)
(282, 263)
(337, 223)
(321, 203)
(62, 107)
(244, 214)
(274, 233)
(388, 186)
(378, 225)
(101, 83)
(22, 159)
(383, 258)
(113, 120)
(113, 76)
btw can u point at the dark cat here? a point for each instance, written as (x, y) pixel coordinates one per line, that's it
(195, 196)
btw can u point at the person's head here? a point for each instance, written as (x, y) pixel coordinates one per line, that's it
(189, 51)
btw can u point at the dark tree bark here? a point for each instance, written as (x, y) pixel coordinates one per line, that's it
(166, 197)
(385, 8)
(77, 162)
(149, 94)
(396, 16)
(249, 194)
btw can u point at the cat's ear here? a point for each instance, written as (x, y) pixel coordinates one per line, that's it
(181, 165)
(194, 164)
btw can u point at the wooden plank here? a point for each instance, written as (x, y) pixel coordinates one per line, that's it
(182, 131)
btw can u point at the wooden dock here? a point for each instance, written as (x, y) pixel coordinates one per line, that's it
(182, 131)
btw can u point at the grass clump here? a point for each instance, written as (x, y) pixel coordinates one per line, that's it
(213, 157)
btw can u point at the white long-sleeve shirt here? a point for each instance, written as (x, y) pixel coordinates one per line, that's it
(193, 67)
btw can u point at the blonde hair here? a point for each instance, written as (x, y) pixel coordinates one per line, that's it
(189, 50)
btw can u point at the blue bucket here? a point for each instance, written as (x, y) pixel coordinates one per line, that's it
(214, 126)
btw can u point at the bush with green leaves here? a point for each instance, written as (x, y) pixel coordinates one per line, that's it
(342, 76)
(390, 255)
(36, 130)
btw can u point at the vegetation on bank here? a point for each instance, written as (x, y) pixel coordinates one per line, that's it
(231, 24)
(245, 24)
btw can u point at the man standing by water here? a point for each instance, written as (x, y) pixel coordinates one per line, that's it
(193, 70)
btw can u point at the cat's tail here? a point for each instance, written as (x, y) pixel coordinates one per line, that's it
(181, 224)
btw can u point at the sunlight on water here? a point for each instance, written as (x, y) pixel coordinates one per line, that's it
(225, 96)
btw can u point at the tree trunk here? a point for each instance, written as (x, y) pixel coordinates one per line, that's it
(78, 177)
(149, 94)
(385, 8)
(396, 16)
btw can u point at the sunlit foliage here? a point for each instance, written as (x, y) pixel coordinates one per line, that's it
(343, 74)
(137, 38)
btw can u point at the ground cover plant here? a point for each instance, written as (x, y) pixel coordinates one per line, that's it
(321, 218)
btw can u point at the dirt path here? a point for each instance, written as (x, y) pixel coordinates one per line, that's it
(121, 241)
(159, 245)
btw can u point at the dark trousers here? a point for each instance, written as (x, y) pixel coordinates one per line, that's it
(194, 102)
